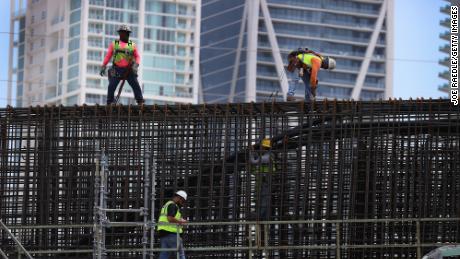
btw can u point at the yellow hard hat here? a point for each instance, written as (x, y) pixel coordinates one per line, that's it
(266, 142)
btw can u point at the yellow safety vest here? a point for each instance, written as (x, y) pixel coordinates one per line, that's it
(265, 168)
(164, 219)
(307, 57)
(126, 52)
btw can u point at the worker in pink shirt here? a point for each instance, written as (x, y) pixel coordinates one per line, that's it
(125, 65)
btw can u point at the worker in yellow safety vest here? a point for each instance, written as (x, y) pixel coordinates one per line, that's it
(309, 63)
(263, 166)
(126, 61)
(169, 226)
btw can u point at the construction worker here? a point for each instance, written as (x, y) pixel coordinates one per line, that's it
(171, 213)
(263, 165)
(309, 63)
(126, 61)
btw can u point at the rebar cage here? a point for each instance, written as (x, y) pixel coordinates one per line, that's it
(334, 161)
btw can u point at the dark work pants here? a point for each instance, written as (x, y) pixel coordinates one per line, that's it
(306, 80)
(132, 81)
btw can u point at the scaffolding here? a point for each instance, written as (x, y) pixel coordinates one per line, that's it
(353, 179)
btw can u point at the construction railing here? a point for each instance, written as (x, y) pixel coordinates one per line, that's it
(262, 239)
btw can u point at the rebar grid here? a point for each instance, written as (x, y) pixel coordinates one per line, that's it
(334, 160)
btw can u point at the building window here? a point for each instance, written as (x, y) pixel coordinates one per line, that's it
(111, 15)
(73, 58)
(43, 15)
(92, 69)
(72, 72)
(41, 69)
(74, 44)
(95, 42)
(74, 31)
(93, 99)
(32, 19)
(94, 55)
(75, 17)
(114, 3)
(182, 9)
(96, 2)
(75, 4)
(72, 100)
(93, 83)
(42, 42)
(96, 14)
(95, 28)
(72, 85)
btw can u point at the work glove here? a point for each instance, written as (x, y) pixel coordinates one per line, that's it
(135, 68)
(103, 68)
(313, 88)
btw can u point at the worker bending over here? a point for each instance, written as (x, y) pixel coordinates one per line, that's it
(309, 63)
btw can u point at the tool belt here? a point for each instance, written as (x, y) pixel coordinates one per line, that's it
(118, 72)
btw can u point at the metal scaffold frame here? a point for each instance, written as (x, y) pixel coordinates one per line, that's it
(352, 179)
(101, 221)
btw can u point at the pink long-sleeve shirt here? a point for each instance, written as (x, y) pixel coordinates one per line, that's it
(122, 62)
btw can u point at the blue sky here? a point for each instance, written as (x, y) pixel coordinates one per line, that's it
(416, 48)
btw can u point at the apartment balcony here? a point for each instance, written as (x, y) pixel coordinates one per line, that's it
(445, 35)
(445, 49)
(325, 7)
(445, 9)
(445, 23)
(444, 88)
(444, 75)
(445, 62)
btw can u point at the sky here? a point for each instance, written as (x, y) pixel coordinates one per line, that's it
(416, 43)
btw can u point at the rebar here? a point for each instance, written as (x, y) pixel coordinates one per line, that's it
(334, 161)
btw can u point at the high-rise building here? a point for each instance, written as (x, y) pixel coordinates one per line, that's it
(244, 45)
(445, 49)
(15, 84)
(65, 42)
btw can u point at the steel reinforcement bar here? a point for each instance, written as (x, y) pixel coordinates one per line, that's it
(334, 161)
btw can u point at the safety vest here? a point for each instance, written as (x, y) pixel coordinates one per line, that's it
(164, 219)
(126, 52)
(307, 57)
(265, 167)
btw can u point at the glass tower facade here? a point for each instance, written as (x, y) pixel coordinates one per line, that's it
(341, 29)
(77, 34)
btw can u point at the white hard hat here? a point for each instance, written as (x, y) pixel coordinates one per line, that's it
(182, 194)
(332, 63)
(124, 27)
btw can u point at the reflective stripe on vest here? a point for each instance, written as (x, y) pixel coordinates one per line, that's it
(120, 53)
(164, 219)
(307, 57)
(265, 167)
